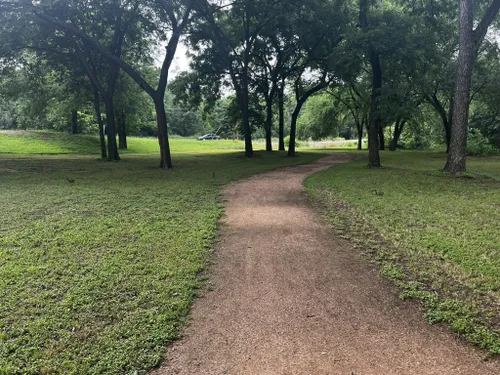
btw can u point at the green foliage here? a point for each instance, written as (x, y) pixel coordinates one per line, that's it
(96, 275)
(319, 119)
(478, 145)
(444, 254)
(297, 143)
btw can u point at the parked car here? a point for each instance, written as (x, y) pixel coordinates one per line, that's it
(209, 137)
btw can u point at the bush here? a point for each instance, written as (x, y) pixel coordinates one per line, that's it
(479, 145)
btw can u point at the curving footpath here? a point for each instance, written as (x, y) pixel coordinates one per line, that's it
(290, 297)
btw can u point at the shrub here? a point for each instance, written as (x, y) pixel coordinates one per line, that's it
(479, 145)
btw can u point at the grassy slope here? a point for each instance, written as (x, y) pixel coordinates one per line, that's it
(97, 275)
(436, 235)
(53, 143)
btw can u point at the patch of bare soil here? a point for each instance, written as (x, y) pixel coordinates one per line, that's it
(290, 297)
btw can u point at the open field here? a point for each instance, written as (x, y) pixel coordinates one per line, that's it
(437, 236)
(99, 260)
(53, 143)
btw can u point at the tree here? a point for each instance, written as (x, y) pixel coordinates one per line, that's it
(227, 36)
(319, 29)
(374, 120)
(470, 41)
(167, 19)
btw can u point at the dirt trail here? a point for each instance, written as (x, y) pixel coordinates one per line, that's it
(289, 297)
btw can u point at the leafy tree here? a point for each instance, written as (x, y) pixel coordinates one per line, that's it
(165, 20)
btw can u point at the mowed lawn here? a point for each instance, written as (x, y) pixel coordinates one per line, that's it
(55, 143)
(437, 236)
(99, 260)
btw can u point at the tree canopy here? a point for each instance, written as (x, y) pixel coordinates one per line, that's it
(406, 74)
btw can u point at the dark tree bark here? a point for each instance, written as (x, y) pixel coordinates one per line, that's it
(111, 129)
(374, 117)
(269, 123)
(293, 128)
(107, 95)
(281, 109)
(97, 107)
(122, 130)
(360, 138)
(161, 120)
(244, 97)
(470, 40)
(445, 118)
(74, 121)
(398, 129)
(381, 138)
(359, 127)
(458, 145)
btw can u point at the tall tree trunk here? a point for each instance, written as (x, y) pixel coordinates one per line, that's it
(97, 107)
(374, 119)
(445, 118)
(458, 146)
(244, 111)
(161, 120)
(300, 102)
(269, 123)
(281, 106)
(293, 127)
(398, 129)
(74, 121)
(122, 131)
(359, 126)
(381, 137)
(111, 130)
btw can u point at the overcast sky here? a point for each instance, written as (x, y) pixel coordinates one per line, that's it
(180, 63)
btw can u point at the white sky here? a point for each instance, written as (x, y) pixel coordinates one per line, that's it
(180, 63)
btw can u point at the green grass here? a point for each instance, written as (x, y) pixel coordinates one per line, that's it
(436, 235)
(96, 276)
(57, 143)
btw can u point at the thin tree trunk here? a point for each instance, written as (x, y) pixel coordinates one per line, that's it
(74, 121)
(111, 130)
(458, 146)
(97, 107)
(244, 112)
(293, 129)
(161, 120)
(398, 129)
(300, 102)
(445, 118)
(122, 131)
(269, 124)
(381, 138)
(359, 126)
(374, 119)
(281, 106)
